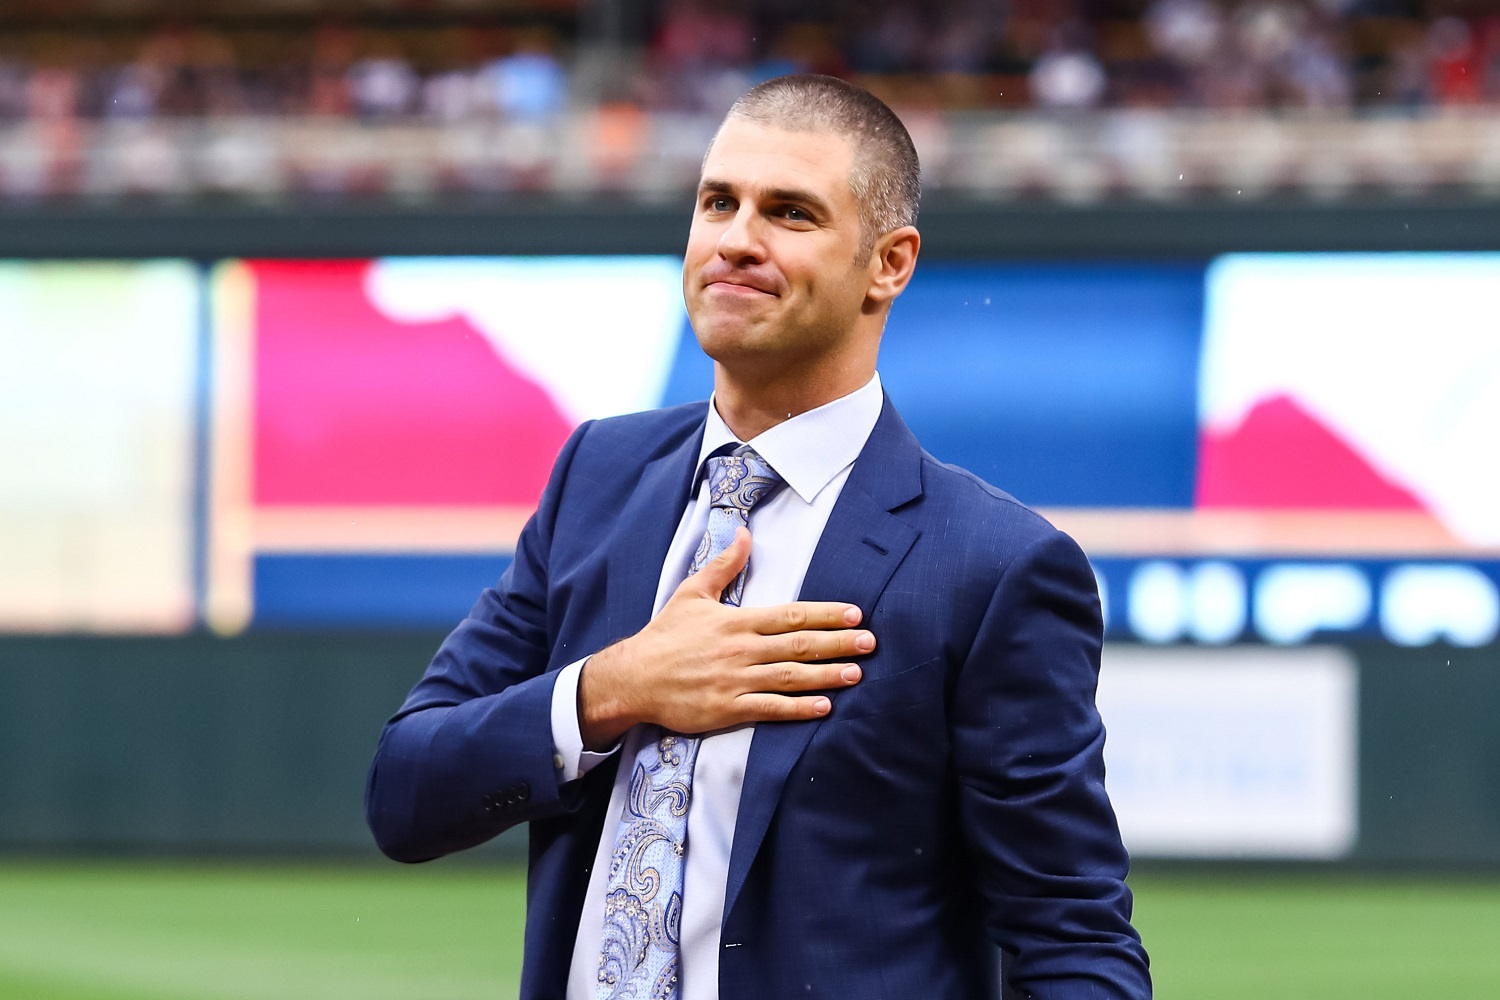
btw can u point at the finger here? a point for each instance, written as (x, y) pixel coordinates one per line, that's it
(782, 708)
(719, 572)
(790, 676)
(800, 615)
(810, 645)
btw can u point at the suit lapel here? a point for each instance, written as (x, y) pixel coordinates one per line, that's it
(647, 521)
(861, 547)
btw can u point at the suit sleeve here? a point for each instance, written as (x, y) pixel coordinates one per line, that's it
(470, 753)
(1028, 747)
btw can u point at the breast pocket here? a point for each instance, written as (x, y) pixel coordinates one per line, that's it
(877, 695)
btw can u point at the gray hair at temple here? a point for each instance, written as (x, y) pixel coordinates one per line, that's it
(886, 177)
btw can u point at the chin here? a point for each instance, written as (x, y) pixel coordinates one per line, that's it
(756, 361)
(723, 348)
(728, 335)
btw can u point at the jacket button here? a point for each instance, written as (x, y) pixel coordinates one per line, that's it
(523, 792)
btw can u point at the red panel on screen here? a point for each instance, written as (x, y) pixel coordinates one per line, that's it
(1281, 456)
(355, 408)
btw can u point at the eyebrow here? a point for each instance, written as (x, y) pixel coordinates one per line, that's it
(775, 194)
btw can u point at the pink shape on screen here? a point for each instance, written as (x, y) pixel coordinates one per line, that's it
(352, 407)
(1281, 456)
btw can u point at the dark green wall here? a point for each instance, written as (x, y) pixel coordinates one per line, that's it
(1429, 754)
(259, 744)
(255, 744)
(952, 226)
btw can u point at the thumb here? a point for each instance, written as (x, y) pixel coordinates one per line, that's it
(719, 572)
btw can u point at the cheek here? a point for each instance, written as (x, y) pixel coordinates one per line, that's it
(840, 292)
(695, 253)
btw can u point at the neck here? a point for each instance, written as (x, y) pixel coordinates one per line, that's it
(751, 406)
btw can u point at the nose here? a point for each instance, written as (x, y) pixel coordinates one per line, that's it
(741, 241)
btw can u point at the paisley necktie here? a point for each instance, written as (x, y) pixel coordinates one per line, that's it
(639, 955)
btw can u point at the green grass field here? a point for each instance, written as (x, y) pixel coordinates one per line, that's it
(453, 932)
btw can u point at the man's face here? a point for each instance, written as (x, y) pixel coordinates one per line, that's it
(770, 275)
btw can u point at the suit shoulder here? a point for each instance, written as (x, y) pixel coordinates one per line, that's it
(982, 505)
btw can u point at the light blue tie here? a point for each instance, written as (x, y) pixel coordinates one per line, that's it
(639, 957)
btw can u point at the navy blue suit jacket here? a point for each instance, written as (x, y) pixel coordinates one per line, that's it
(952, 802)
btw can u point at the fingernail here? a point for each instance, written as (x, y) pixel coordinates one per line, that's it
(822, 705)
(850, 673)
(864, 642)
(851, 615)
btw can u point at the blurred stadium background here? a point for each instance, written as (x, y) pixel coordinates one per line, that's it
(298, 301)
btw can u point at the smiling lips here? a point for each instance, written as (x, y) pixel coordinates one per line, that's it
(730, 288)
(738, 285)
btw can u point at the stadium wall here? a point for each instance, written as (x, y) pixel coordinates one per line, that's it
(953, 227)
(259, 745)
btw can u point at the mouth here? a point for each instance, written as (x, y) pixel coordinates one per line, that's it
(735, 288)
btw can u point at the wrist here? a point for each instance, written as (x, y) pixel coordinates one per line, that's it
(605, 711)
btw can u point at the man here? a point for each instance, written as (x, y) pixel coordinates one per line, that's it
(860, 768)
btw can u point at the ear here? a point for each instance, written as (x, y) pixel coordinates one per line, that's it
(892, 263)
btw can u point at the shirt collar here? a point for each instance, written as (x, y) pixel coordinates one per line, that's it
(808, 450)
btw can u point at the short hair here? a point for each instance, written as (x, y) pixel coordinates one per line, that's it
(886, 179)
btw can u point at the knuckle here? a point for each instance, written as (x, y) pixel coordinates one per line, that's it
(795, 616)
(786, 676)
(749, 709)
(801, 644)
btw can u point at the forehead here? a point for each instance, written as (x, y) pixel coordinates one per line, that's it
(749, 155)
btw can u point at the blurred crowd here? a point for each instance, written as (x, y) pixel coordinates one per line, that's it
(1073, 99)
(696, 55)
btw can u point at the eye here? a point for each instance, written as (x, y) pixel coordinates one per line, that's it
(719, 203)
(797, 214)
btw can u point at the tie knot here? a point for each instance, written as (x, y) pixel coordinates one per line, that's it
(741, 480)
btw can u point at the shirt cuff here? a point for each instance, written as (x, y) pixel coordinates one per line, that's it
(568, 755)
